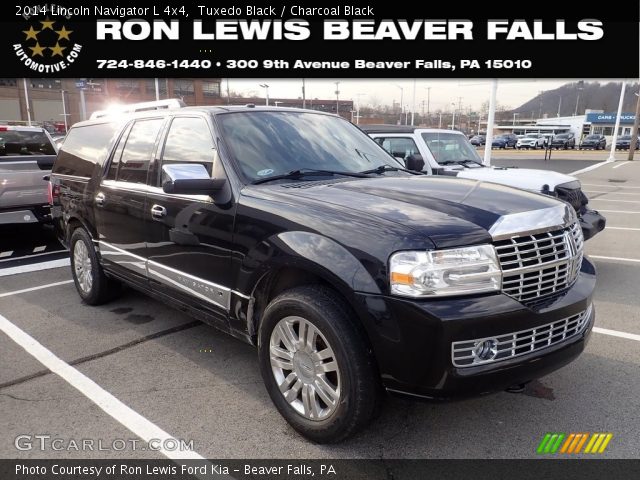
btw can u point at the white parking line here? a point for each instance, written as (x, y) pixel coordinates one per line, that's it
(616, 259)
(40, 249)
(589, 168)
(611, 185)
(35, 267)
(6, 254)
(33, 289)
(29, 256)
(613, 192)
(616, 211)
(599, 199)
(113, 407)
(623, 228)
(616, 333)
(621, 164)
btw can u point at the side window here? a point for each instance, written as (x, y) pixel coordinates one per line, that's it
(115, 160)
(400, 147)
(137, 151)
(189, 141)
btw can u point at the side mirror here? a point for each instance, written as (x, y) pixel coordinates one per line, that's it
(189, 179)
(414, 162)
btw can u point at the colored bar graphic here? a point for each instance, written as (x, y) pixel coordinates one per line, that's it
(572, 443)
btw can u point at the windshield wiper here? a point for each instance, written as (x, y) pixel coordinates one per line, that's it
(390, 168)
(304, 172)
(460, 162)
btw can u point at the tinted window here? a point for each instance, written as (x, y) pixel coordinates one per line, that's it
(84, 148)
(137, 152)
(189, 141)
(264, 144)
(400, 147)
(17, 142)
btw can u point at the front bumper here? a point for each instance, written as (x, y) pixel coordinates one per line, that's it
(412, 340)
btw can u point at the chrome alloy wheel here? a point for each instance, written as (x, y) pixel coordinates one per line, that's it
(82, 266)
(305, 368)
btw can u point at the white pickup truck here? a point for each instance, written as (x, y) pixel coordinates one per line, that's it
(26, 155)
(448, 152)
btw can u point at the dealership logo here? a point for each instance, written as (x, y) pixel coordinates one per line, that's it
(574, 443)
(47, 46)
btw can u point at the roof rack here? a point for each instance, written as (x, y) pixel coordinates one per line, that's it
(139, 107)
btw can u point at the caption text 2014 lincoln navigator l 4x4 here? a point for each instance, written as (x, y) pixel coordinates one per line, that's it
(294, 231)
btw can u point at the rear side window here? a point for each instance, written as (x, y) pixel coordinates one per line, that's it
(189, 141)
(84, 148)
(399, 147)
(138, 150)
(17, 142)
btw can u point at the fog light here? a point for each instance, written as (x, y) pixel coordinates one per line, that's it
(485, 349)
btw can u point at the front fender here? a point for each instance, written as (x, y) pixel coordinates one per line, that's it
(308, 251)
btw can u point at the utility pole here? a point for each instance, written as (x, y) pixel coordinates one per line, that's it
(266, 93)
(157, 89)
(453, 118)
(634, 130)
(64, 112)
(413, 107)
(358, 95)
(26, 101)
(401, 103)
(228, 94)
(559, 105)
(612, 153)
(337, 98)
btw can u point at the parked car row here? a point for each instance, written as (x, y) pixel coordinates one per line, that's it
(624, 143)
(351, 271)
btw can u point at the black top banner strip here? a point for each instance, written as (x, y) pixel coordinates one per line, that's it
(362, 40)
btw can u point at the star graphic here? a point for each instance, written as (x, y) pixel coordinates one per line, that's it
(47, 24)
(31, 33)
(37, 50)
(63, 33)
(57, 50)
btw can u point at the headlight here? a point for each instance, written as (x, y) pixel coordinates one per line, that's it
(437, 273)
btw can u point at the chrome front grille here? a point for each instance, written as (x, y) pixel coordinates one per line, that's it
(535, 266)
(520, 343)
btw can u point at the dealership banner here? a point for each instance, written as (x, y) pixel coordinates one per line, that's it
(320, 39)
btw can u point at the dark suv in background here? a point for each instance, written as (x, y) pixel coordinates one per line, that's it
(594, 142)
(505, 141)
(563, 141)
(294, 231)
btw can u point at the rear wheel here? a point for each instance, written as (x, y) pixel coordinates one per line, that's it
(316, 366)
(91, 282)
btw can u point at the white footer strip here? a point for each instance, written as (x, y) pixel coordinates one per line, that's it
(129, 418)
(616, 333)
(35, 267)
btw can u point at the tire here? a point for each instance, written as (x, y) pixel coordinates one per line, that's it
(330, 414)
(92, 284)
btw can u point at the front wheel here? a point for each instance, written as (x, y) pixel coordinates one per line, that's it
(316, 366)
(91, 282)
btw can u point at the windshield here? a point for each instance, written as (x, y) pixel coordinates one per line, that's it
(593, 137)
(449, 147)
(16, 142)
(625, 137)
(264, 144)
(562, 135)
(531, 136)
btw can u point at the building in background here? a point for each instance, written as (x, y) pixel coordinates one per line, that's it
(46, 95)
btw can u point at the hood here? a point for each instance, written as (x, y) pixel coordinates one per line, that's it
(449, 211)
(527, 179)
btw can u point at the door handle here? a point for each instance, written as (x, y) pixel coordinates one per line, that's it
(158, 211)
(99, 199)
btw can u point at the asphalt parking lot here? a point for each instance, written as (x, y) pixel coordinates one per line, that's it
(194, 383)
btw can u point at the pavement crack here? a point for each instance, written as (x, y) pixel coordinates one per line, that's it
(111, 351)
(22, 399)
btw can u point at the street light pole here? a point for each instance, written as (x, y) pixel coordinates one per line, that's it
(157, 89)
(453, 118)
(64, 112)
(401, 103)
(413, 108)
(612, 153)
(266, 93)
(26, 101)
(337, 98)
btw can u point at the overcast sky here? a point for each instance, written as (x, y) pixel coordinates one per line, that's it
(511, 93)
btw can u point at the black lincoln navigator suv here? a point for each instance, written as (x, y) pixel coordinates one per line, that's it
(294, 231)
